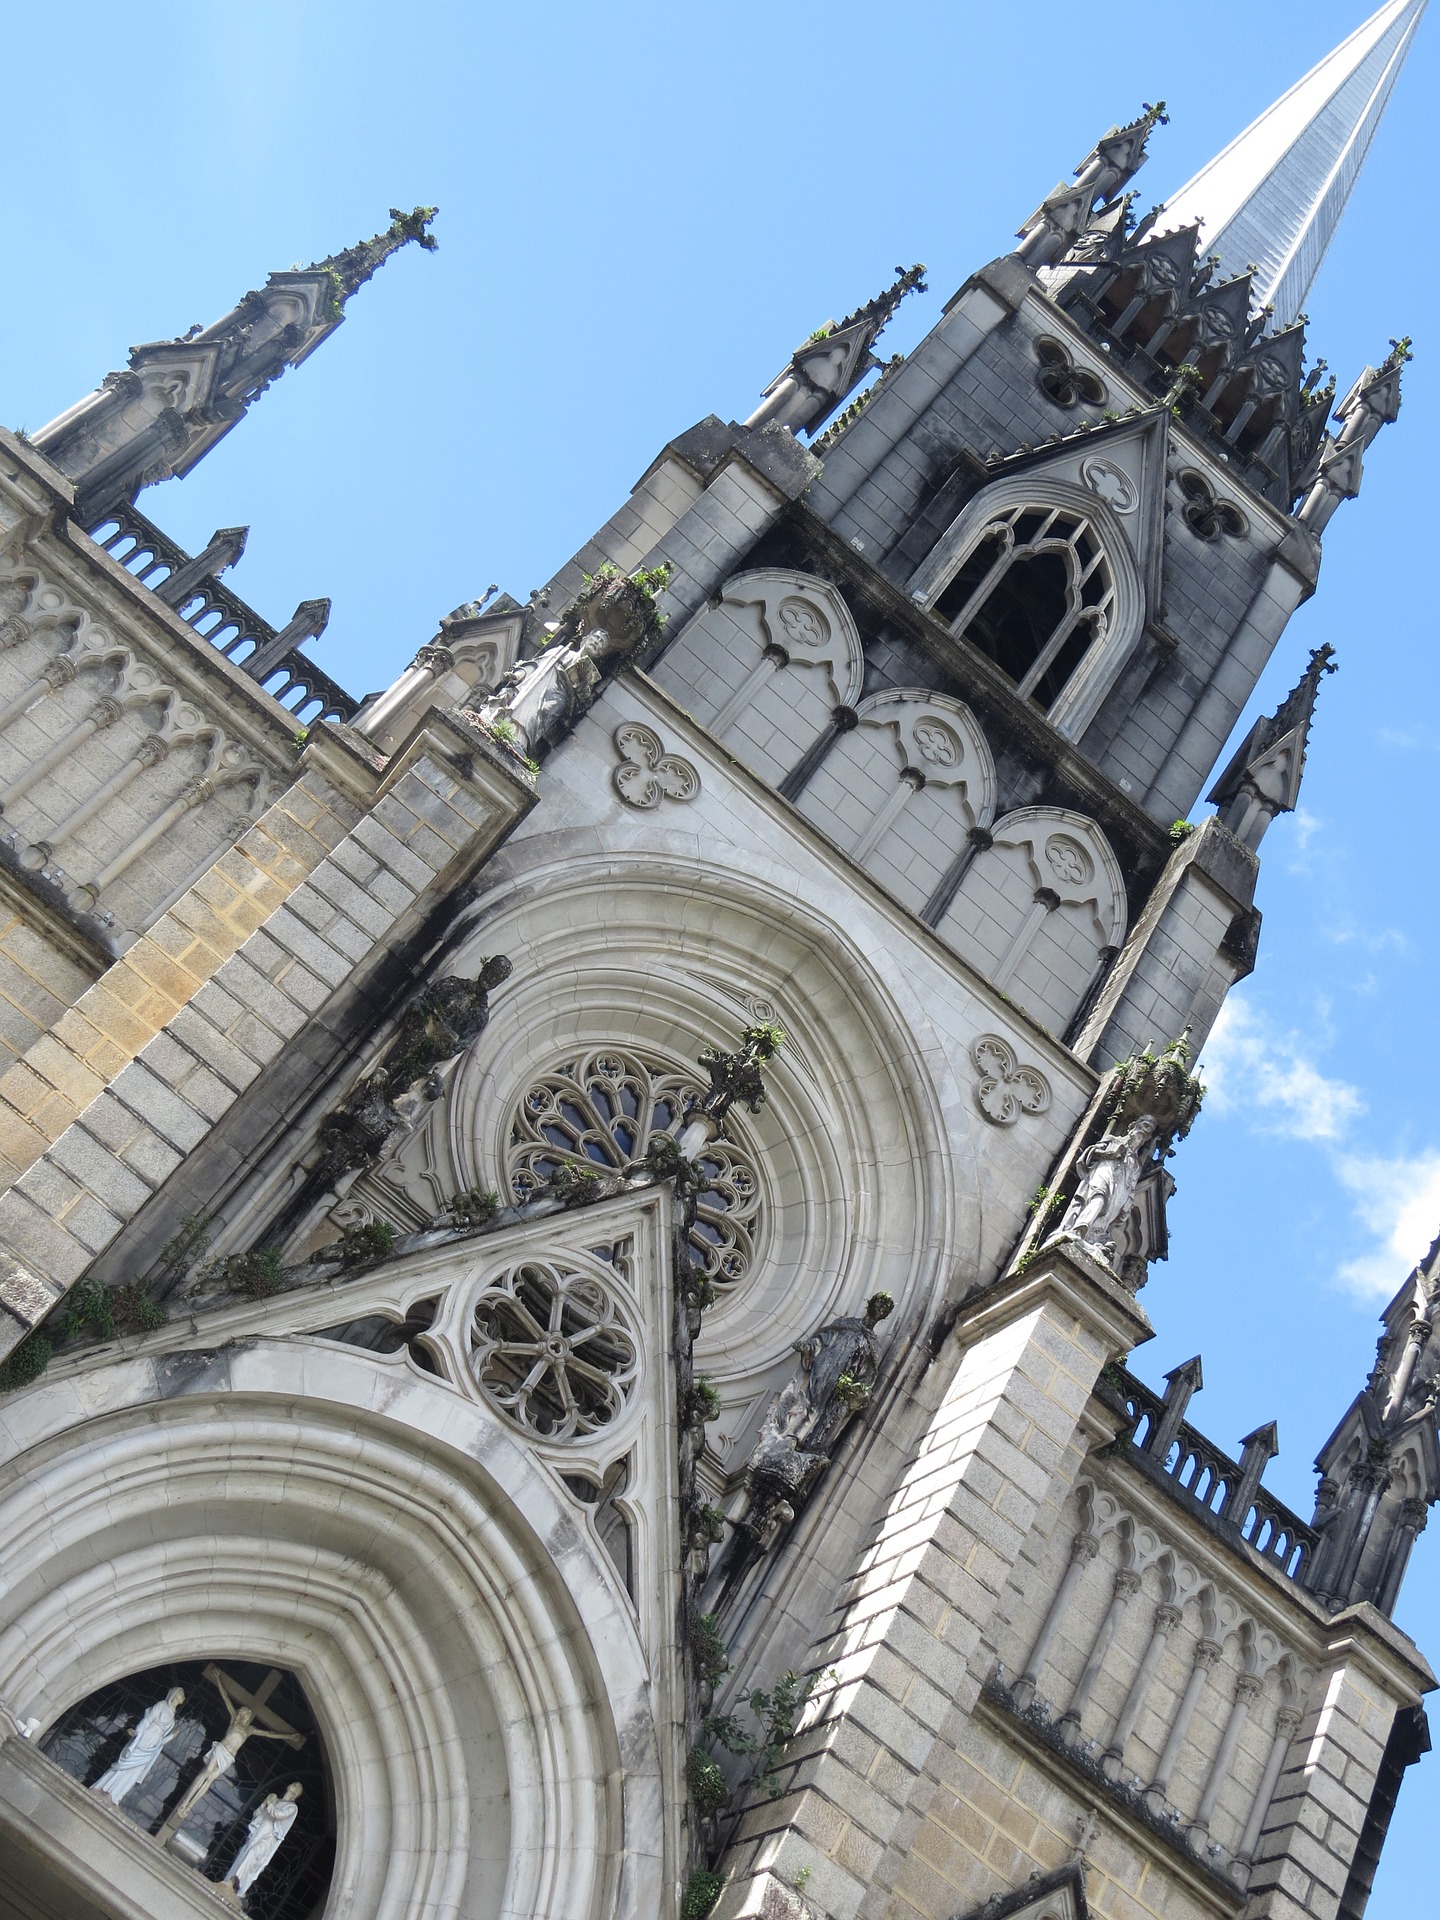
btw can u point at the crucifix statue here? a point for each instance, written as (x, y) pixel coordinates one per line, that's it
(250, 1719)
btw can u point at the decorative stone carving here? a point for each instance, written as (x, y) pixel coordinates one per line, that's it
(440, 1022)
(647, 774)
(1110, 483)
(1109, 1174)
(608, 1110)
(553, 1350)
(542, 698)
(1005, 1089)
(143, 1749)
(806, 1418)
(268, 1827)
(1153, 1102)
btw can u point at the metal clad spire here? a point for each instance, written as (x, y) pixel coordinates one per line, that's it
(1274, 197)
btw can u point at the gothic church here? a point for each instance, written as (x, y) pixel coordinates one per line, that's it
(570, 1232)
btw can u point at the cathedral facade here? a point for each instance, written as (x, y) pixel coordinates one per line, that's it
(570, 1232)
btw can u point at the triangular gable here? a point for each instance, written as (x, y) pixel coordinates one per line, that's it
(1123, 463)
(1061, 1894)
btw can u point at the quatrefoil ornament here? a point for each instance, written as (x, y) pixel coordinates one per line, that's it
(647, 774)
(1005, 1089)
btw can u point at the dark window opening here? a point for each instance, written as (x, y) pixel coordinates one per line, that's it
(1020, 613)
(1033, 595)
(88, 1742)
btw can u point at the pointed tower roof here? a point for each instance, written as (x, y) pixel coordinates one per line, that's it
(1274, 197)
(1264, 777)
(826, 369)
(178, 397)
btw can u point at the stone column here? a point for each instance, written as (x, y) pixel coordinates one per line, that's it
(1206, 1654)
(1286, 1721)
(1127, 1585)
(1081, 1554)
(103, 714)
(1247, 1692)
(927, 1589)
(1167, 1618)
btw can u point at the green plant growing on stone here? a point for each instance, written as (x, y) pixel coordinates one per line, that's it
(776, 1713)
(26, 1362)
(855, 1393)
(712, 1656)
(800, 1878)
(363, 1245)
(652, 580)
(704, 1401)
(183, 1249)
(708, 1787)
(253, 1276)
(574, 1186)
(702, 1890)
(89, 1308)
(475, 1207)
(820, 333)
(300, 739)
(1182, 830)
(136, 1310)
(504, 730)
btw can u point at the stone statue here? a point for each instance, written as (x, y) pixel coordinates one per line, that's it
(268, 1827)
(806, 1418)
(1110, 1172)
(143, 1749)
(541, 698)
(222, 1755)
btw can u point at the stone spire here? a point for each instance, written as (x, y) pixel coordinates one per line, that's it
(1372, 403)
(1274, 197)
(1380, 1469)
(1073, 208)
(1263, 779)
(827, 368)
(178, 397)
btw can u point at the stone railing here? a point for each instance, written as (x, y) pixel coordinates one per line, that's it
(191, 586)
(1227, 1492)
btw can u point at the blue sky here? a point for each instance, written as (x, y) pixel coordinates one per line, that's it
(642, 209)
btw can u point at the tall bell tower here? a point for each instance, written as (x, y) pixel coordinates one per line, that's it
(567, 1275)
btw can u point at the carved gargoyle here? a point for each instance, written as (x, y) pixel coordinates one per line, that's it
(830, 1385)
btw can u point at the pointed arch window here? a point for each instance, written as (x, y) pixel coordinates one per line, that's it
(1035, 593)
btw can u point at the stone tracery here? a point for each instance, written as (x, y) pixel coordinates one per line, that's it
(603, 1110)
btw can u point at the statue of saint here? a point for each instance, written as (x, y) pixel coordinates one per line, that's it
(143, 1749)
(1110, 1172)
(807, 1416)
(268, 1827)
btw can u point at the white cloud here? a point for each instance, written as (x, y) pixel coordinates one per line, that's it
(1399, 1201)
(1254, 1069)
(1267, 1078)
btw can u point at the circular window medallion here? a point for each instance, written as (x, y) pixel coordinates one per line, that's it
(936, 743)
(553, 1350)
(1068, 860)
(1110, 483)
(804, 625)
(603, 1111)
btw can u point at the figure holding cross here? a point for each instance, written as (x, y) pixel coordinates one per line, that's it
(250, 1718)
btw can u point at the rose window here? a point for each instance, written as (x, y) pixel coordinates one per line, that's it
(603, 1111)
(553, 1350)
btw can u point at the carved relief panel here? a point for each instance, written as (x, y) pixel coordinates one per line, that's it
(901, 790)
(766, 669)
(116, 787)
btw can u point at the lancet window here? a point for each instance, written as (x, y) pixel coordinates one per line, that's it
(222, 1764)
(602, 1111)
(1035, 593)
